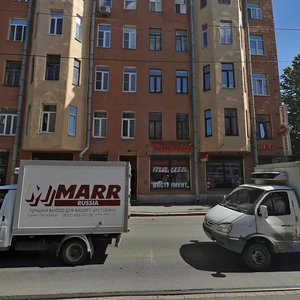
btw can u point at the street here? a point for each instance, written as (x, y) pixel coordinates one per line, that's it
(159, 254)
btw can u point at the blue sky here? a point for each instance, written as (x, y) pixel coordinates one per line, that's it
(287, 29)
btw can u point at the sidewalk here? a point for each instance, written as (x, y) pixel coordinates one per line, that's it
(168, 210)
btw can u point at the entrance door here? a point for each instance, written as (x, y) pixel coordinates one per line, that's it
(133, 163)
(281, 222)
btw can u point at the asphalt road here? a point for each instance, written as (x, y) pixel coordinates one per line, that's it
(160, 255)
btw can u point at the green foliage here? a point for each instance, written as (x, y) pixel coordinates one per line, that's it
(290, 91)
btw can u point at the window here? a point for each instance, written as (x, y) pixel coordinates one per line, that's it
(129, 80)
(204, 36)
(155, 125)
(206, 78)
(231, 123)
(56, 22)
(263, 126)
(53, 67)
(78, 28)
(224, 1)
(76, 72)
(130, 4)
(155, 39)
(48, 119)
(155, 81)
(72, 120)
(277, 204)
(254, 10)
(208, 123)
(170, 173)
(228, 75)
(104, 36)
(181, 82)
(223, 173)
(180, 6)
(182, 126)
(226, 33)
(155, 5)
(102, 78)
(100, 124)
(256, 44)
(259, 82)
(129, 37)
(128, 125)
(17, 30)
(203, 3)
(8, 121)
(105, 3)
(181, 40)
(13, 73)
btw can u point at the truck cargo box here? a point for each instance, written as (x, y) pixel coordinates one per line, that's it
(72, 197)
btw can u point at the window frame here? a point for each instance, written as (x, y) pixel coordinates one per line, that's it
(226, 33)
(155, 126)
(105, 31)
(260, 82)
(56, 23)
(102, 77)
(231, 122)
(228, 76)
(208, 123)
(72, 120)
(50, 118)
(127, 4)
(257, 44)
(8, 118)
(206, 78)
(76, 72)
(78, 27)
(131, 81)
(128, 125)
(100, 123)
(204, 35)
(20, 25)
(182, 82)
(52, 65)
(155, 39)
(182, 126)
(155, 5)
(181, 40)
(13, 71)
(129, 37)
(155, 80)
(254, 13)
(263, 126)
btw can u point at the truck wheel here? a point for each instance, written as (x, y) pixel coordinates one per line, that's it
(74, 252)
(257, 257)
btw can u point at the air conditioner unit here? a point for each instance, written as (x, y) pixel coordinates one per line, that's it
(105, 9)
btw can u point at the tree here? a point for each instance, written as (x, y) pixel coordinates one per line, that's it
(290, 91)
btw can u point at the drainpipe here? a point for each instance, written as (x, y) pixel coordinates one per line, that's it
(21, 93)
(195, 107)
(252, 100)
(90, 83)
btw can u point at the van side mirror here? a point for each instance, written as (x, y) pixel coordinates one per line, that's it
(263, 211)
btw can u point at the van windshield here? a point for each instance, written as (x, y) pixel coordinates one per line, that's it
(242, 199)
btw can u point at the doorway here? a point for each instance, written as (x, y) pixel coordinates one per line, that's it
(133, 184)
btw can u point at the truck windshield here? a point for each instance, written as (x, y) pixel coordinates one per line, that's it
(242, 199)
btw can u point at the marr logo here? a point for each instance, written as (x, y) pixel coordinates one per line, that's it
(78, 195)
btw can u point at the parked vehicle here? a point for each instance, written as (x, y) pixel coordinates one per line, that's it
(70, 204)
(259, 219)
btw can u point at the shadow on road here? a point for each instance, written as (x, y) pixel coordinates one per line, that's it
(209, 256)
(47, 258)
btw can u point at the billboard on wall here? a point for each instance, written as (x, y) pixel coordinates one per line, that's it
(285, 131)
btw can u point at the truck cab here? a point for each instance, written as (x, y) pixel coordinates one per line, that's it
(257, 220)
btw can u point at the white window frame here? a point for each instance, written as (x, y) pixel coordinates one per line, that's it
(100, 123)
(76, 72)
(15, 26)
(182, 6)
(72, 120)
(260, 84)
(8, 118)
(128, 124)
(129, 78)
(226, 37)
(102, 76)
(257, 44)
(129, 37)
(55, 17)
(78, 27)
(49, 116)
(130, 4)
(254, 12)
(155, 5)
(105, 30)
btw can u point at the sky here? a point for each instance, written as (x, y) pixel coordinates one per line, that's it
(287, 30)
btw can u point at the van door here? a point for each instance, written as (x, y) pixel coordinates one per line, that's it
(280, 225)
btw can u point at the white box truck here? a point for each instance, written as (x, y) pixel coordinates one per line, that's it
(259, 219)
(67, 203)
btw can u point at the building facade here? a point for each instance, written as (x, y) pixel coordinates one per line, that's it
(187, 91)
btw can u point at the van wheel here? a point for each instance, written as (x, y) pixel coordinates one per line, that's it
(74, 252)
(257, 257)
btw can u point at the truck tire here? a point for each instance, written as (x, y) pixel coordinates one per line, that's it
(74, 252)
(257, 257)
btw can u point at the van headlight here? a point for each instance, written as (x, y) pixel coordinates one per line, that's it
(225, 228)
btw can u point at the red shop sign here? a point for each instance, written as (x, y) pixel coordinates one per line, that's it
(172, 147)
(266, 147)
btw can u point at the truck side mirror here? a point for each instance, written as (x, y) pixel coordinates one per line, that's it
(263, 211)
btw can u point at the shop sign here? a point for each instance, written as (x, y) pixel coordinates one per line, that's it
(266, 147)
(167, 169)
(204, 157)
(170, 148)
(284, 131)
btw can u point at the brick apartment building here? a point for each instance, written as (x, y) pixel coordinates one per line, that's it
(164, 84)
